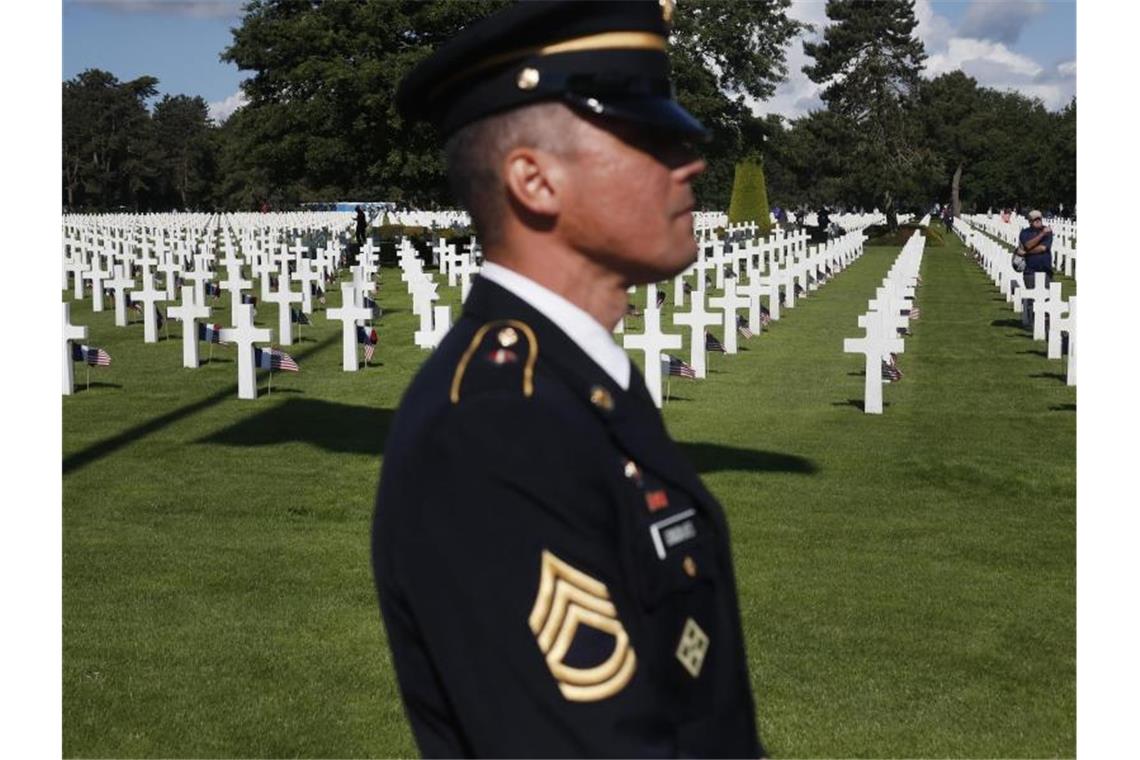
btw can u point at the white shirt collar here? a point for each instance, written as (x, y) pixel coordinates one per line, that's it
(594, 339)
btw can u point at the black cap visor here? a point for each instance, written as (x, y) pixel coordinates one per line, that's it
(648, 110)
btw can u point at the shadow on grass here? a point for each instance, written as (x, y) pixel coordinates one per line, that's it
(108, 446)
(84, 387)
(857, 403)
(1036, 352)
(713, 457)
(1053, 375)
(1063, 408)
(1006, 323)
(340, 428)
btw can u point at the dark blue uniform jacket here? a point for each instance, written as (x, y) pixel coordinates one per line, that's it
(554, 578)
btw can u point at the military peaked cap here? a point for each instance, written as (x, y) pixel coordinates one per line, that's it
(604, 58)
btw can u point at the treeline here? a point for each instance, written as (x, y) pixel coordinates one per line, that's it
(320, 123)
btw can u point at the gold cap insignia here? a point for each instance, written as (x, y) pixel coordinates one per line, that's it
(693, 647)
(667, 7)
(601, 398)
(689, 565)
(568, 598)
(528, 78)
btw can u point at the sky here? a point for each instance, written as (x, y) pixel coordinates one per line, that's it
(1025, 45)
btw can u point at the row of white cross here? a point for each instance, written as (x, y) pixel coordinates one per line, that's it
(1064, 236)
(886, 313)
(106, 253)
(769, 274)
(1053, 315)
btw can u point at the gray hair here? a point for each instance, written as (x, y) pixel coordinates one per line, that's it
(475, 156)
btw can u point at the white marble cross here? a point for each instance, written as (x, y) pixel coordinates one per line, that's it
(349, 313)
(188, 313)
(423, 294)
(1055, 309)
(441, 323)
(149, 296)
(235, 285)
(696, 319)
(244, 335)
(169, 269)
(284, 297)
(877, 343)
(1038, 294)
(77, 266)
(199, 276)
(729, 303)
(96, 274)
(752, 292)
(652, 342)
(120, 283)
(465, 270)
(70, 332)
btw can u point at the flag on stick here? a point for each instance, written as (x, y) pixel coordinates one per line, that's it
(369, 339)
(211, 333)
(712, 343)
(95, 357)
(371, 304)
(299, 317)
(680, 367)
(743, 328)
(272, 358)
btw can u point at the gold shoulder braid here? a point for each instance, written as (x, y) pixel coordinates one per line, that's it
(506, 337)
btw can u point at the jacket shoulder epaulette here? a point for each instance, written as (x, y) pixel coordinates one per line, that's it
(501, 356)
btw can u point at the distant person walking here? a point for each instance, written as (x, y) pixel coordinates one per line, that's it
(1037, 242)
(361, 226)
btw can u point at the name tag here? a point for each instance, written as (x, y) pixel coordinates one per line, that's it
(673, 530)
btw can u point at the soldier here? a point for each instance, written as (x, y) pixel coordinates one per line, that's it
(554, 578)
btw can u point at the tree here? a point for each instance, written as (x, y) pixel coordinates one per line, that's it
(184, 152)
(870, 64)
(750, 196)
(105, 132)
(320, 119)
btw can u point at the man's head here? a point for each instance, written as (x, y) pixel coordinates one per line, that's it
(1035, 219)
(608, 190)
(561, 122)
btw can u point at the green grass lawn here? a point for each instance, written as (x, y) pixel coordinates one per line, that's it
(907, 582)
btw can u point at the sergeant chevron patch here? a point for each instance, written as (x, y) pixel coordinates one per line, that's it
(568, 599)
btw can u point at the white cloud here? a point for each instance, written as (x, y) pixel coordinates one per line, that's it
(221, 110)
(984, 56)
(1002, 21)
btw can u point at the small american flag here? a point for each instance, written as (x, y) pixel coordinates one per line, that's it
(317, 291)
(369, 339)
(679, 367)
(743, 328)
(765, 316)
(251, 300)
(157, 312)
(371, 304)
(96, 357)
(660, 298)
(213, 289)
(712, 343)
(299, 317)
(211, 333)
(915, 313)
(891, 371)
(271, 358)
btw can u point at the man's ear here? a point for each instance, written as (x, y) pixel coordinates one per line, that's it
(536, 180)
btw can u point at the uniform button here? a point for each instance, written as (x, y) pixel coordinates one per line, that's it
(601, 398)
(689, 566)
(528, 79)
(508, 337)
(630, 469)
